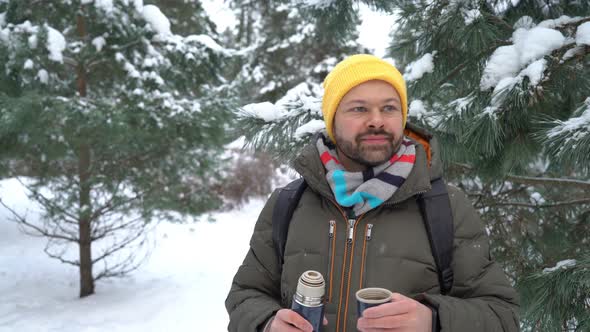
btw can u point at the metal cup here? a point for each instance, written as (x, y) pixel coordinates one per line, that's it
(371, 297)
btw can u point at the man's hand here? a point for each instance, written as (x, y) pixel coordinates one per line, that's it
(403, 314)
(287, 320)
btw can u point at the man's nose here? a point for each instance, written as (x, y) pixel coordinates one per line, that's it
(375, 119)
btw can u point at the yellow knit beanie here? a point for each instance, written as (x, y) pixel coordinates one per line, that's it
(353, 71)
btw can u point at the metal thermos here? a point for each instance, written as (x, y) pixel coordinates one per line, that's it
(308, 301)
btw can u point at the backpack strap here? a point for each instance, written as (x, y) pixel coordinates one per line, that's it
(281, 215)
(435, 207)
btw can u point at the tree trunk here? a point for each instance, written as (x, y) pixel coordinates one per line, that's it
(84, 161)
(85, 243)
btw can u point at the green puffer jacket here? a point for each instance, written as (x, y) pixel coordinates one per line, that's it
(395, 256)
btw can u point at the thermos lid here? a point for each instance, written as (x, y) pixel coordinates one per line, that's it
(311, 284)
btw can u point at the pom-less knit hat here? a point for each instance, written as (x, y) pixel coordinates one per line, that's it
(353, 71)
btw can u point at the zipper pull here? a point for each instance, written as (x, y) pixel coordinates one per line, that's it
(369, 228)
(332, 224)
(350, 229)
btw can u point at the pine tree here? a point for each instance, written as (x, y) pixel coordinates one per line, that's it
(187, 17)
(504, 85)
(116, 118)
(284, 46)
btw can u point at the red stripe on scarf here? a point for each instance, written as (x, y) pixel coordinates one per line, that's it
(403, 159)
(326, 157)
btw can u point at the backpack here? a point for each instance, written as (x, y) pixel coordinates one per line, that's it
(435, 208)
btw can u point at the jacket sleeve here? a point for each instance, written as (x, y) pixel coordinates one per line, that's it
(482, 298)
(255, 293)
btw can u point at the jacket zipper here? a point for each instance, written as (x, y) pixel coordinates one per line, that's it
(352, 222)
(345, 277)
(343, 266)
(349, 243)
(331, 240)
(363, 283)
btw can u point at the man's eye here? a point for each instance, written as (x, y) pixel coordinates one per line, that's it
(389, 108)
(359, 109)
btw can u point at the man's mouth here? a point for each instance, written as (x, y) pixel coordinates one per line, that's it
(375, 139)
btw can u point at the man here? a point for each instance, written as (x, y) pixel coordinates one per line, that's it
(358, 223)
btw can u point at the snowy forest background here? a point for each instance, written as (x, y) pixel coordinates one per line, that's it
(122, 124)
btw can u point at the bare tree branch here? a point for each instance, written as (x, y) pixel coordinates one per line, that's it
(122, 244)
(129, 264)
(19, 219)
(59, 256)
(112, 229)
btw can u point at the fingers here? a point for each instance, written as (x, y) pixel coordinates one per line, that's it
(325, 322)
(289, 320)
(282, 326)
(403, 314)
(399, 305)
(381, 330)
(388, 322)
(399, 297)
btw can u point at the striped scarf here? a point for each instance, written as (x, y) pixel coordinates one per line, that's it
(368, 189)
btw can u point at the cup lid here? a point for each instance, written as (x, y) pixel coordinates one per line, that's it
(311, 284)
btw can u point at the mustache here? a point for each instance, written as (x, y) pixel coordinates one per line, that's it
(380, 132)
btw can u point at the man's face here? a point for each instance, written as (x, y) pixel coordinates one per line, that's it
(368, 125)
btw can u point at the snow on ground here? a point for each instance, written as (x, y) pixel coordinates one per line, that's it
(182, 287)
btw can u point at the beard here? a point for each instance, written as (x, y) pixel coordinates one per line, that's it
(369, 155)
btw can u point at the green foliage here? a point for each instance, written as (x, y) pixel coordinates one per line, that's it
(278, 137)
(462, 48)
(285, 45)
(553, 303)
(187, 17)
(152, 111)
(113, 119)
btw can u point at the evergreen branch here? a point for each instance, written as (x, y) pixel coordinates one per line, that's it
(47, 202)
(70, 61)
(501, 22)
(95, 63)
(585, 49)
(556, 299)
(549, 181)
(542, 206)
(577, 23)
(455, 71)
(109, 206)
(532, 180)
(124, 46)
